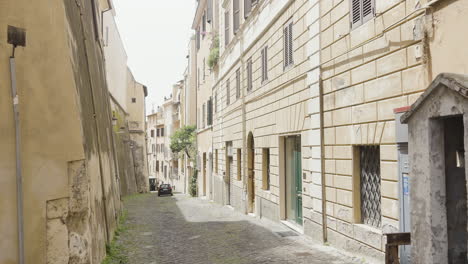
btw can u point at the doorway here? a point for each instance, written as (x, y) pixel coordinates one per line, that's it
(293, 178)
(455, 184)
(251, 173)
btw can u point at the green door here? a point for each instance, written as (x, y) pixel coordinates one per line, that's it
(293, 179)
(298, 178)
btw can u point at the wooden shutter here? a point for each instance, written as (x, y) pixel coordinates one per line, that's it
(226, 28)
(288, 44)
(209, 11)
(236, 15)
(238, 82)
(247, 8)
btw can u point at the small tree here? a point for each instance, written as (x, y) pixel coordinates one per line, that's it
(183, 140)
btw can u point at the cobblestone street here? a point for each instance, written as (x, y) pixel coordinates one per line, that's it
(182, 230)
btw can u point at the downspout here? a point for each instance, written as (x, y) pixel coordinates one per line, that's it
(13, 39)
(322, 163)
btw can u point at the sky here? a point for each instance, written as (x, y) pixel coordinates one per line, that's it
(156, 34)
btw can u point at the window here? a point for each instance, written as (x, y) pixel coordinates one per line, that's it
(153, 148)
(133, 100)
(210, 112)
(369, 185)
(204, 69)
(216, 161)
(216, 102)
(157, 166)
(288, 44)
(226, 28)
(248, 6)
(361, 12)
(209, 11)
(249, 75)
(238, 84)
(228, 93)
(203, 26)
(239, 164)
(204, 115)
(266, 169)
(197, 38)
(264, 64)
(198, 78)
(162, 132)
(236, 15)
(152, 133)
(157, 132)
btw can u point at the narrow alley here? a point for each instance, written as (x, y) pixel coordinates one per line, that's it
(180, 229)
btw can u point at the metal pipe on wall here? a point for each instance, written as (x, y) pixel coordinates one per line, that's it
(19, 175)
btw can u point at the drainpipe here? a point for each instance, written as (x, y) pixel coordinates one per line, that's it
(322, 161)
(17, 37)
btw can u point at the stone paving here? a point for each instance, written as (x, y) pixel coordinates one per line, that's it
(183, 230)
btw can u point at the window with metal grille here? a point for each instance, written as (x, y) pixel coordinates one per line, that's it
(249, 75)
(226, 28)
(361, 12)
(288, 44)
(265, 64)
(239, 164)
(236, 15)
(238, 84)
(228, 93)
(370, 182)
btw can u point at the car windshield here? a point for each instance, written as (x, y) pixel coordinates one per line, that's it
(165, 186)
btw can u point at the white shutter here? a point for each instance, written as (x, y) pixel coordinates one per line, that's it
(236, 15)
(285, 48)
(290, 39)
(368, 10)
(356, 13)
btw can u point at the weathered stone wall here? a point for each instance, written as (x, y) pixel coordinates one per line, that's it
(71, 198)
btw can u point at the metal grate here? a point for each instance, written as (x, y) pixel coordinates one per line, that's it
(370, 185)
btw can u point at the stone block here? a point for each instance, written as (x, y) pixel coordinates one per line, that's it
(412, 53)
(331, 223)
(388, 86)
(362, 33)
(393, 62)
(342, 152)
(390, 189)
(342, 116)
(349, 96)
(339, 47)
(343, 212)
(329, 135)
(341, 81)
(385, 108)
(328, 101)
(339, 11)
(344, 197)
(390, 208)
(341, 27)
(368, 235)
(343, 182)
(344, 228)
(388, 134)
(326, 37)
(363, 73)
(57, 242)
(414, 79)
(329, 179)
(313, 230)
(344, 167)
(344, 135)
(330, 194)
(364, 113)
(57, 208)
(388, 152)
(389, 170)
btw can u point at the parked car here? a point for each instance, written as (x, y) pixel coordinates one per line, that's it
(165, 189)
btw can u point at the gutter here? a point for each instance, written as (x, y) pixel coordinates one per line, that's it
(322, 163)
(17, 37)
